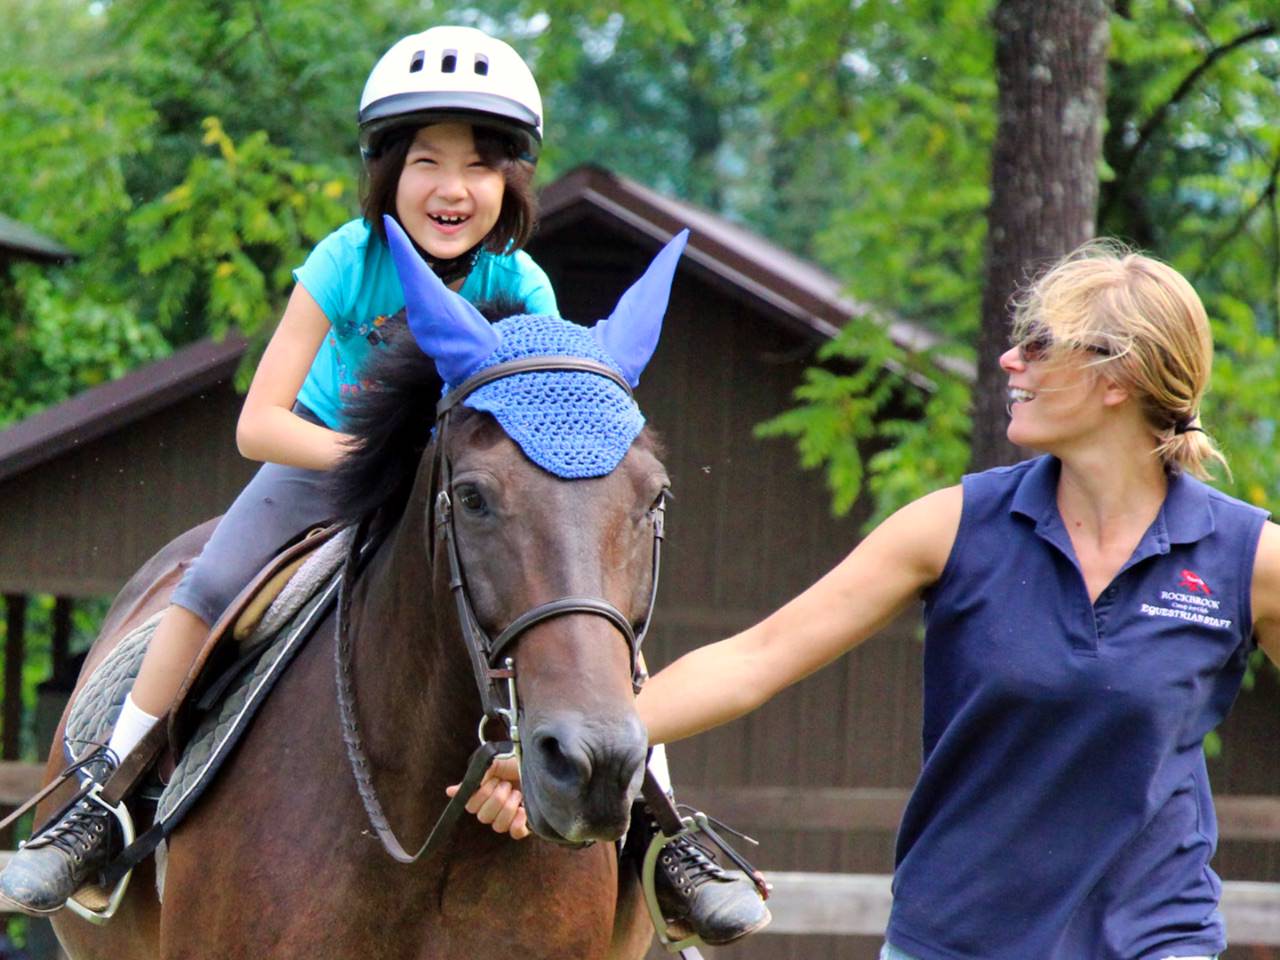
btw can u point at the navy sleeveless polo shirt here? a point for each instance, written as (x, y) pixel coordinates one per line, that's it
(1063, 809)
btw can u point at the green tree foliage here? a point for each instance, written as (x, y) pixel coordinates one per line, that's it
(189, 153)
(1190, 172)
(221, 244)
(63, 161)
(1193, 156)
(906, 234)
(57, 339)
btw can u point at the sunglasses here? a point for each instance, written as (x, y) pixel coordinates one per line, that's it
(1037, 347)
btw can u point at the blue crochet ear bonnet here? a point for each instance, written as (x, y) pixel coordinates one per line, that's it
(573, 424)
(570, 423)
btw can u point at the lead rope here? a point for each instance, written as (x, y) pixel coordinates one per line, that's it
(360, 768)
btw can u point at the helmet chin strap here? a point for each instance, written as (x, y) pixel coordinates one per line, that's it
(451, 269)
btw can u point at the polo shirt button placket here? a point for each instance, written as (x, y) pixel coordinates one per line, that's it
(1102, 608)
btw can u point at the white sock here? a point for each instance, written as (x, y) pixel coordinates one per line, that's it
(658, 767)
(131, 726)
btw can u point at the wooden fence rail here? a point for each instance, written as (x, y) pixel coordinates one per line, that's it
(808, 809)
(852, 809)
(858, 904)
(849, 904)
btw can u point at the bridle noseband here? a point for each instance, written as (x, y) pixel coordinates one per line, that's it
(494, 670)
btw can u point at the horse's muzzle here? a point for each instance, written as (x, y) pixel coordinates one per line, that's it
(580, 776)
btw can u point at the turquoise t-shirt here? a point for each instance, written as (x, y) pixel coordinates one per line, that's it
(351, 275)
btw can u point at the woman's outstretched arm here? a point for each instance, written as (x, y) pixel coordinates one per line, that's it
(883, 575)
(716, 683)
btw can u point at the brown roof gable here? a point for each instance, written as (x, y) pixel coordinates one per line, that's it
(20, 242)
(794, 290)
(108, 407)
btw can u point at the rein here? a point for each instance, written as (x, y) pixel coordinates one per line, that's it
(494, 671)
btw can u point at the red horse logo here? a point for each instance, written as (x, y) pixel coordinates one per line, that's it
(1192, 582)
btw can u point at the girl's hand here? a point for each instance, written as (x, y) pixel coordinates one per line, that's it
(498, 800)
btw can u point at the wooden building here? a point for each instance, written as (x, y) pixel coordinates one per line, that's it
(89, 489)
(20, 243)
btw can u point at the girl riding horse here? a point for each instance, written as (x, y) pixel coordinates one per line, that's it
(450, 129)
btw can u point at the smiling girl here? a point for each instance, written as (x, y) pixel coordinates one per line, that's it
(450, 125)
(450, 128)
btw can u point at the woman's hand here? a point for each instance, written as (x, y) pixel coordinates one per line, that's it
(498, 800)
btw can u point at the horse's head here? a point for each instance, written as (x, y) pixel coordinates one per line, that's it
(547, 506)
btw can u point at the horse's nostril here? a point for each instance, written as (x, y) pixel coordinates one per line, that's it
(566, 766)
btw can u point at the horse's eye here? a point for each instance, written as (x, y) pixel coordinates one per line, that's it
(470, 498)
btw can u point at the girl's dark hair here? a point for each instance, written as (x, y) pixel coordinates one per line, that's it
(499, 150)
(390, 422)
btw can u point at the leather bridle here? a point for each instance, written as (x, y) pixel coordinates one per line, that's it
(493, 668)
(488, 653)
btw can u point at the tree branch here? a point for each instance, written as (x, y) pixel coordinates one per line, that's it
(1268, 195)
(1157, 119)
(1189, 81)
(1275, 259)
(261, 22)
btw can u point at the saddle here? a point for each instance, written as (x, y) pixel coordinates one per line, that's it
(246, 652)
(228, 645)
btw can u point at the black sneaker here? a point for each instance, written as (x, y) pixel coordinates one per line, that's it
(695, 892)
(52, 866)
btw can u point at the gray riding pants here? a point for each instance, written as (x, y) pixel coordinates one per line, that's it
(279, 504)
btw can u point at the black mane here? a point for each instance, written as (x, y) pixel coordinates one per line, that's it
(391, 423)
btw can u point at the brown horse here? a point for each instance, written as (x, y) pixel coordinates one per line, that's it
(278, 858)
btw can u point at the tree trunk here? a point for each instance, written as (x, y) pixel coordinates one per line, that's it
(1051, 71)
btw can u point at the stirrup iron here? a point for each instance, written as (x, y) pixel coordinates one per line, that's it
(696, 822)
(687, 947)
(97, 912)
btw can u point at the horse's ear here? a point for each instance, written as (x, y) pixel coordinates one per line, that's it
(447, 327)
(630, 334)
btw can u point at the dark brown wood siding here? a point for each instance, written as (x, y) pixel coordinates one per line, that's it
(81, 524)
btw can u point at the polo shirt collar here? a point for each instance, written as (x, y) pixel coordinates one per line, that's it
(1037, 495)
(1185, 516)
(1187, 513)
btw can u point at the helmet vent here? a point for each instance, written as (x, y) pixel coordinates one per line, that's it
(415, 65)
(449, 62)
(482, 64)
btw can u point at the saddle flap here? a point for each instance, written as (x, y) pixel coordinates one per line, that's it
(240, 621)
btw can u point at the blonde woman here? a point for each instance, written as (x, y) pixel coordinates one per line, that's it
(1088, 616)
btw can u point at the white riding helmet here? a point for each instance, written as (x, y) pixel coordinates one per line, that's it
(451, 73)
